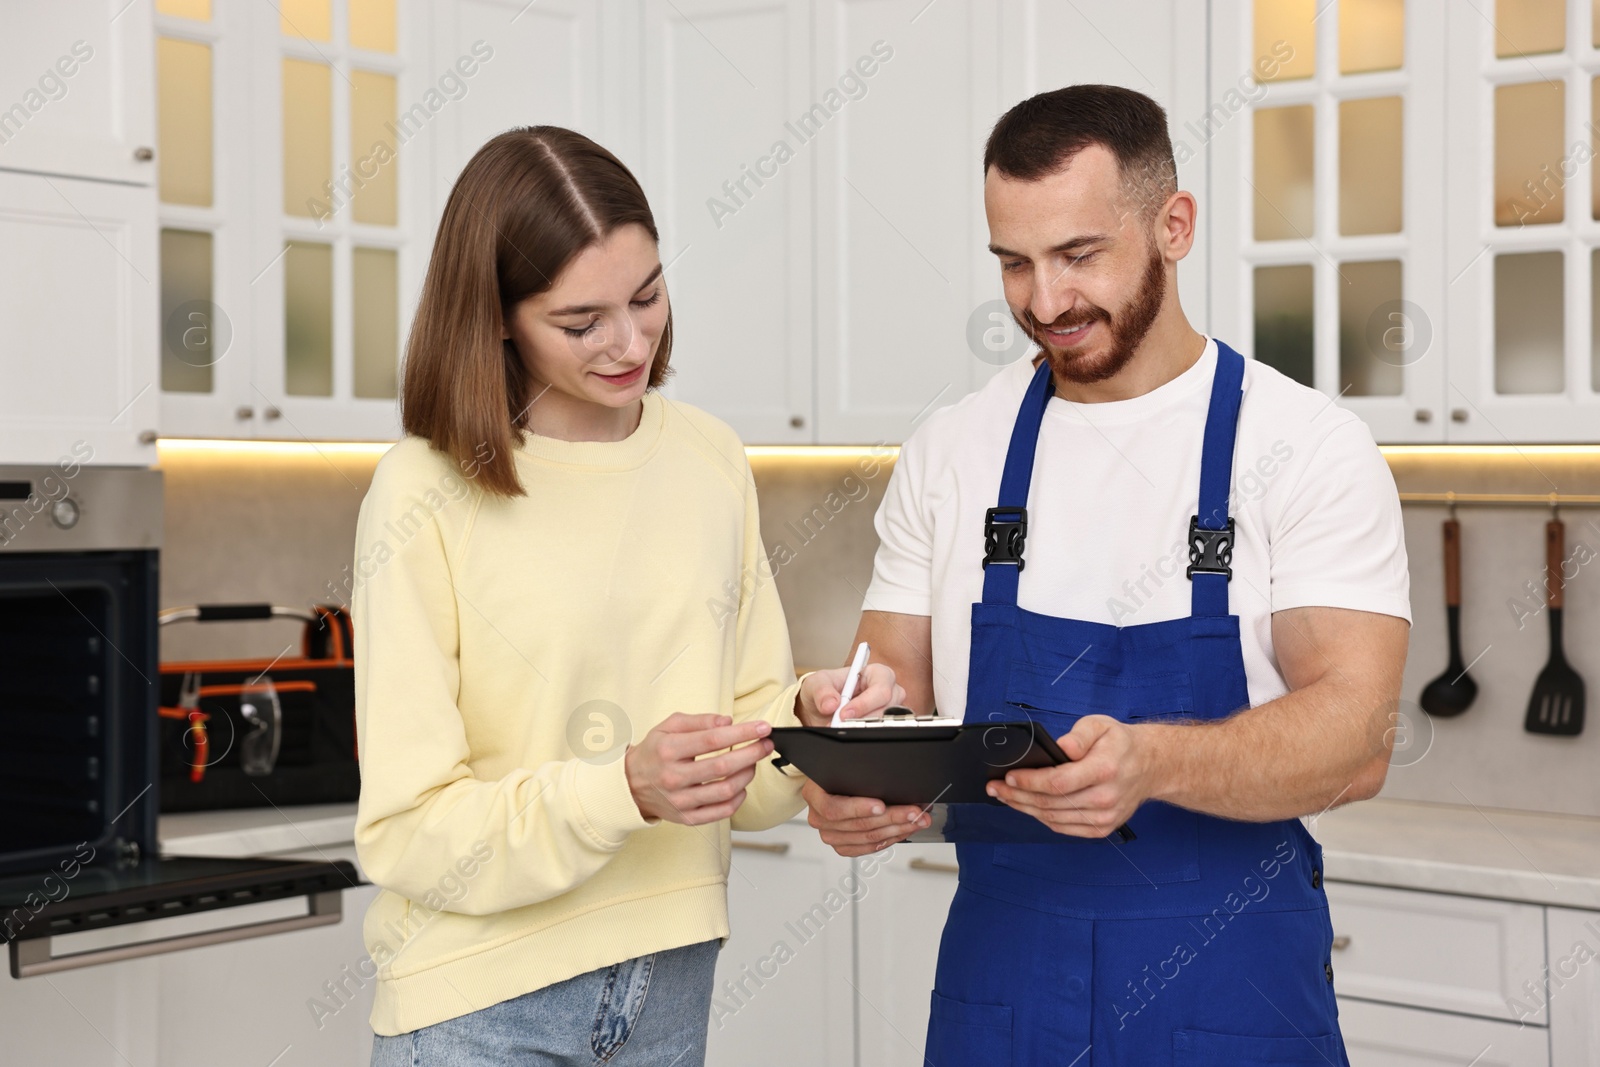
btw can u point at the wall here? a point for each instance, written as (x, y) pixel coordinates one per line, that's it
(279, 527)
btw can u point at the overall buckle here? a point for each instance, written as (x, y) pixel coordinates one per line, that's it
(1210, 551)
(1003, 538)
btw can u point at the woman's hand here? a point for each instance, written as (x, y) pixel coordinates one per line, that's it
(670, 782)
(859, 826)
(820, 691)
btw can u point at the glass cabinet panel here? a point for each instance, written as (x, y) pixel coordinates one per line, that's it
(1371, 165)
(1371, 35)
(372, 148)
(1529, 305)
(1375, 331)
(183, 122)
(1293, 23)
(1283, 326)
(1528, 120)
(372, 25)
(1284, 169)
(311, 19)
(308, 319)
(1528, 27)
(307, 135)
(189, 343)
(375, 301)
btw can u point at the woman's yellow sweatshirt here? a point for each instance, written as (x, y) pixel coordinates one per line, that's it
(507, 651)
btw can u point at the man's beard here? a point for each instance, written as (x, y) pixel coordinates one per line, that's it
(1127, 329)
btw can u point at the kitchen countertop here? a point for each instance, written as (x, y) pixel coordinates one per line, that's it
(257, 831)
(1450, 848)
(1485, 852)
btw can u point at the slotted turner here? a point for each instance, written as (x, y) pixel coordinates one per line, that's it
(1556, 706)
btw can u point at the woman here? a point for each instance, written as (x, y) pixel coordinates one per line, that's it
(562, 605)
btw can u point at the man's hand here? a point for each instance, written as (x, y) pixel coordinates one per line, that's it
(1092, 795)
(669, 780)
(857, 826)
(820, 691)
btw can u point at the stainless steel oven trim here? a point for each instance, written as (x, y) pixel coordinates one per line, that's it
(109, 508)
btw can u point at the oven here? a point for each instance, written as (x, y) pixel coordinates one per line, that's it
(79, 683)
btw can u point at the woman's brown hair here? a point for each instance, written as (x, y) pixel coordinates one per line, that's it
(530, 200)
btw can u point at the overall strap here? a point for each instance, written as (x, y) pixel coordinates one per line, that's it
(1211, 529)
(1005, 528)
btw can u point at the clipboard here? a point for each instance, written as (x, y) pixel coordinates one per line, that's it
(928, 766)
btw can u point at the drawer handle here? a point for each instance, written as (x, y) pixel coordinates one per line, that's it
(1341, 942)
(920, 864)
(776, 848)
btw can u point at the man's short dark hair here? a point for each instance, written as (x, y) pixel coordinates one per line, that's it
(1040, 135)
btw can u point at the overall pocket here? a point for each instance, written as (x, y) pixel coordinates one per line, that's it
(967, 1035)
(1166, 848)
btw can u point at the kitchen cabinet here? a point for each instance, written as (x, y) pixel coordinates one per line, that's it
(1435, 950)
(1382, 1035)
(902, 912)
(1403, 212)
(1573, 957)
(728, 165)
(300, 999)
(76, 91)
(78, 280)
(78, 263)
(784, 987)
(102, 1016)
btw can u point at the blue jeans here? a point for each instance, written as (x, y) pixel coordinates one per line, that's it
(652, 1010)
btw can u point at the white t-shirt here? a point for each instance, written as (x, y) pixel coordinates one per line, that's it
(1114, 485)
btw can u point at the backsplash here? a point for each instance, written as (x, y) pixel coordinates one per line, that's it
(279, 526)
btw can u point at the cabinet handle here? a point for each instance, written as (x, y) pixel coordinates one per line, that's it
(920, 864)
(797, 421)
(244, 412)
(144, 154)
(1458, 414)
(776, 848)
(1341, 942)
(271, 413)
(148, 437)
(1424, 415)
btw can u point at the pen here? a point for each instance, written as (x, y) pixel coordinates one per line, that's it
(851, 680)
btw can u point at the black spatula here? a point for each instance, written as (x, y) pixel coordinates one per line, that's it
(1453, 691)
(1556, 706)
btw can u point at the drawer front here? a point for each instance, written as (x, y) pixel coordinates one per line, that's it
(1381, 1035)
(1436, 950)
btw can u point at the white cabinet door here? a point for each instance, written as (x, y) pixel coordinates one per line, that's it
(1435, 950)
(299, 999)
(101, 1016)
(76, 93)
(1574, 986)
(1148, 47)
(783, 990)
(728, 169)
(906, 896)
(901, 240)
(1381, 1035)
(1357, 313)
(78, 306)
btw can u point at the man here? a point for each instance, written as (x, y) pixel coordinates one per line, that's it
(1191, 570)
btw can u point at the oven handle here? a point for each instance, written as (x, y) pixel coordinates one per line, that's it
(232, 613)
(32, 956)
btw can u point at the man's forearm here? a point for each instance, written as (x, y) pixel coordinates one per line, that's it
(1297, 755)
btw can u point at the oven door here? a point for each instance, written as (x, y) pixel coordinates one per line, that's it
(78, 695)
(40, 906)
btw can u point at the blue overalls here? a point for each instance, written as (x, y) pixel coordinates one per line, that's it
(1202, 940)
